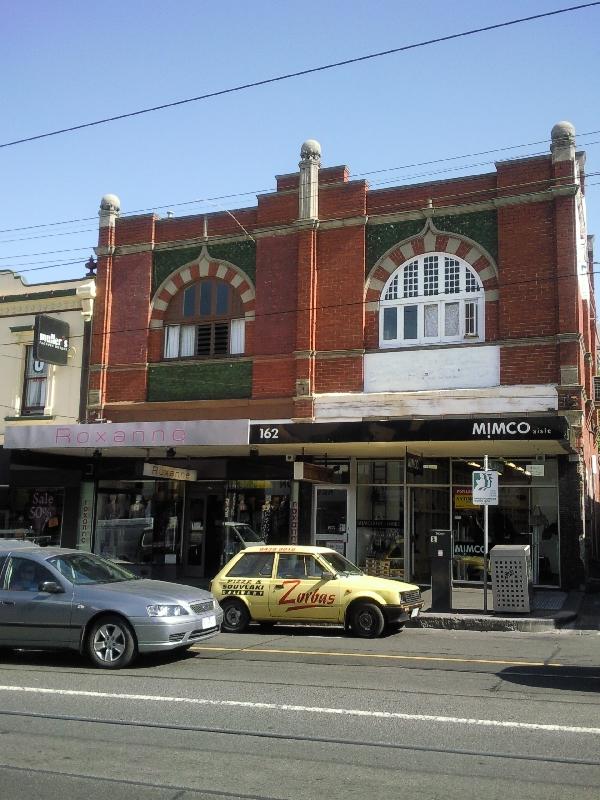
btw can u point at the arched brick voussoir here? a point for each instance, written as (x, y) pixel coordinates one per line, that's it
(431, 240)
(191, 273)
(486, 272)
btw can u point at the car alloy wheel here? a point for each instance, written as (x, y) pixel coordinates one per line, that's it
(110, 643)
(367, 620)
(236, 617)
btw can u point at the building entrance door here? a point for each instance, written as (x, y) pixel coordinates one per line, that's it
(203, 521)
(331, 517)
(428, 508)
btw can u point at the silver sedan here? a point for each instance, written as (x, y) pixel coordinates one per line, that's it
(58, 598)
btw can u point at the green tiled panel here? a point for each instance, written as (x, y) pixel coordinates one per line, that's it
(480, 226)
(240, 254)
(205, 381)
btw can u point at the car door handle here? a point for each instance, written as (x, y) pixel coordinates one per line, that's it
(7, 602)
(278, 586)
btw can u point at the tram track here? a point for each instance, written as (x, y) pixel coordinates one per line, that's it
(299, 738)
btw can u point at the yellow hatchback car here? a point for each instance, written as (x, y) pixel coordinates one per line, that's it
(280, 583)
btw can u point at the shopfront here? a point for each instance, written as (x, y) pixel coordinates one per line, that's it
(396, 512)
(383, 518)
(374, 492)
(39, 501)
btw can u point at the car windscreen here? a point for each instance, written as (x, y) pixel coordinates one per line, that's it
(247, 534)
(86, 568)
(341, 564)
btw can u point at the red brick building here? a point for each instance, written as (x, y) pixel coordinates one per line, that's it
(352, 327)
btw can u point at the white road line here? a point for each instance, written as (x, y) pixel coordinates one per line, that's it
(349, 712)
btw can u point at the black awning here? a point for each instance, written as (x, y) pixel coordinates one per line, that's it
(465, 429)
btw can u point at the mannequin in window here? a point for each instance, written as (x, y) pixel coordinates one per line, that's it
(112, 510)
(266, 519)
(137, 509)
(243, 513)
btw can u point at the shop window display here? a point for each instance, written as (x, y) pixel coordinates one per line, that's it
(527, 513)
(34, 514)
(138, 522)
(380, 530)
(262, 505)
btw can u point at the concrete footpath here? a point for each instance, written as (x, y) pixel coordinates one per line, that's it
(552, 610)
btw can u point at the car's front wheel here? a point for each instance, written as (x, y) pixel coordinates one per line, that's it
(111, 643)
(236, 616)
(367, 620)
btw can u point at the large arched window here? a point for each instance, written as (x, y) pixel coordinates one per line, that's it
(431, 298)
(203, 320)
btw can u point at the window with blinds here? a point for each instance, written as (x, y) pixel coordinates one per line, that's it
(204, 320)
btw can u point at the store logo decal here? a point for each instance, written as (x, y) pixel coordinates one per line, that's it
(303, 599)
(490, 429)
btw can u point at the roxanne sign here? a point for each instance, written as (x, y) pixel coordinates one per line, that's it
(128, 434)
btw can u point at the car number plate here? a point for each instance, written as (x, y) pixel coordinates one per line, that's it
(414, 612)
(209, 622)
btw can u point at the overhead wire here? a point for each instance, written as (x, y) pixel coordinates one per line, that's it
(396, 206)
(354, 176)
(303, 72)
(319, 308)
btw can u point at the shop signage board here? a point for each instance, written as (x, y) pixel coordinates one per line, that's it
(485, 487)
(414, 464)
(169, 473)
(535, 470)
(86, 512)
(481, 429)
(50, 340)
(128, 434)
(463, 498)
(314, 473)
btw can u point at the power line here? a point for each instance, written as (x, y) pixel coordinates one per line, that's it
(396, 206)
(274, 191)
(324, 308)
(301, 73)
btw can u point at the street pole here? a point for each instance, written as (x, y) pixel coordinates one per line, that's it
(485, 545)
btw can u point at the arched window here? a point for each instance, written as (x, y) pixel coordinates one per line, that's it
(431, 298)
(203, 320)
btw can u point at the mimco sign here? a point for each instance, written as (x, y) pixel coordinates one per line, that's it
(502, 430)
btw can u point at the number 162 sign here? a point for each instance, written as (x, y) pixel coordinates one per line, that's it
(485, 488)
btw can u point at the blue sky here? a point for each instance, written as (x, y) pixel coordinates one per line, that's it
(69, 62)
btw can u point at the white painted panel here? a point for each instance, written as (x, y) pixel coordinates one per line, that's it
(435, 368)
(516, 399)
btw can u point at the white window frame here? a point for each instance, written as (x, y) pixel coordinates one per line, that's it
(36, 375)
(236, 340)
(471, 304)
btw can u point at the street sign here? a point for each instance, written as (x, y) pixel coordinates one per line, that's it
(485, 488)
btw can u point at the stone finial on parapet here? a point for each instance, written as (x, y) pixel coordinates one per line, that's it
(110, 209)
(562, 144)
(308, 195)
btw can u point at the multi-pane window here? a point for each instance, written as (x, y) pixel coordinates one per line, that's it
(432, 298)
(35, 385)
(203, 320)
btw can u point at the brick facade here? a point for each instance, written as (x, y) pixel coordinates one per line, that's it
(310, 291)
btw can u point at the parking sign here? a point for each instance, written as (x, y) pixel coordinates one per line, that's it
(485, 488)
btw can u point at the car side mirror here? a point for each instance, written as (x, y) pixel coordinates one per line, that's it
(328, 576)
(50, 587)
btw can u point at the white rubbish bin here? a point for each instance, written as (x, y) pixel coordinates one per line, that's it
(512, 583)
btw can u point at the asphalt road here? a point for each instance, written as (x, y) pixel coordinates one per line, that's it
(310, 713)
